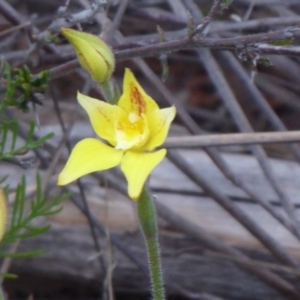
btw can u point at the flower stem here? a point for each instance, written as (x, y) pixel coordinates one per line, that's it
(147, 218)
(110, 91)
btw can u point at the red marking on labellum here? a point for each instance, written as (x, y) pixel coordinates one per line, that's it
(137, 99)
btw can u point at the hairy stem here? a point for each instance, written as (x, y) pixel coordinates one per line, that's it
(147, 218)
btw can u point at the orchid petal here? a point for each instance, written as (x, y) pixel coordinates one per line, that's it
(89, 155)
(137, 166)
(134, 98)
(93, 53)
(159, 122)
(103, 116)
(99, 71)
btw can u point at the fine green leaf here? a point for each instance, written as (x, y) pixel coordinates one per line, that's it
(25, 254)
(9, 275)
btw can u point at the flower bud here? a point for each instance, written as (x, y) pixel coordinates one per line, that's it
(94, 55)
(3, 213)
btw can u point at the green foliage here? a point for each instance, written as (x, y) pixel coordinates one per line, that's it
(8, 148)
(284, 42)
(22, 215)
(21, 87)
(25, 254)
(265, 61)
(8, 276)
(53, 38)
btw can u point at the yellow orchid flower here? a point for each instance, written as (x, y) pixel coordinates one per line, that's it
(133, 128)
(3, 213)
(94, 55)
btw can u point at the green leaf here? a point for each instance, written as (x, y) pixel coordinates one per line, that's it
(21, 227)
(26, 254)
(21, 85)
(9, 275)
(11, 128)
(284, 42)
(32, 232)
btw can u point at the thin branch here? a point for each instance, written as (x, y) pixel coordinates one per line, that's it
(10, 13)
(213, 43)
(197, 141)
(214, 9)
(70, 20)
(265, 23)
(108, 35)
(15, 28)
(264, 49)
